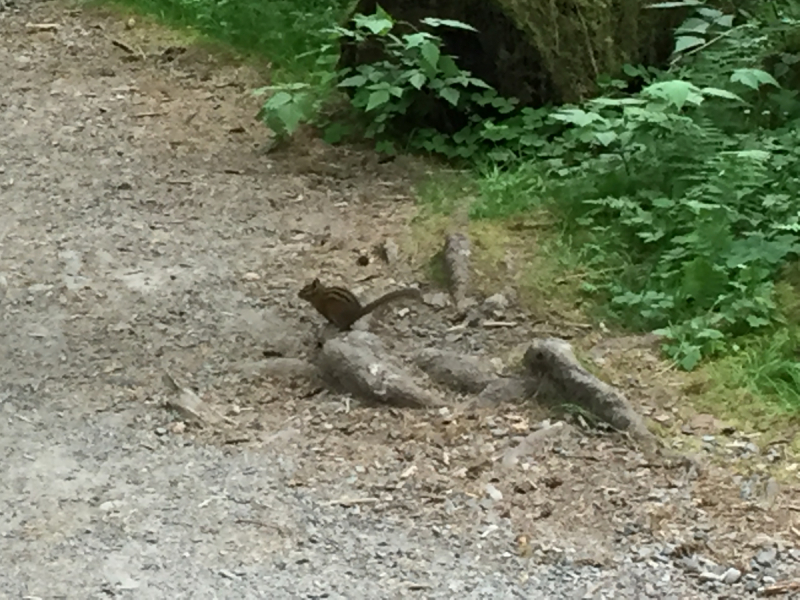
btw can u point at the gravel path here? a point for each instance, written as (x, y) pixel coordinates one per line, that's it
(132, 204)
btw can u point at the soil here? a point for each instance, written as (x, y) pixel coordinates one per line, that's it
(144, 229)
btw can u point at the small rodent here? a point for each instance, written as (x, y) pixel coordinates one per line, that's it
(341, 307)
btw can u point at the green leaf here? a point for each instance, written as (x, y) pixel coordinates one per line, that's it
(693, 25)
(690, 359)
(756, 322)
(718, 93)
(335, 132)
(577, 116)
(605, 137)
(710, 13)
(376, 25)
(725, 21)
(754, 154)
(277, 100)
(451, 95)
(753, 78)
(676, 92)
(685, 42)
(376, 99)
(354, 81)
(430, 53)
(415, 40)
(433, 22)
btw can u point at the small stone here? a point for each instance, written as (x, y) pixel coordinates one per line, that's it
(795, 554)
(250, 276)
(437, 300)
(751, 586)
(161, 430)
(732, 576)
(690, 563)
(766, 556)
(708, 576)
(767, 580)
(496, 303)
(493, 492)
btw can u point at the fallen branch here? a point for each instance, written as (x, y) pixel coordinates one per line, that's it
(359, 364)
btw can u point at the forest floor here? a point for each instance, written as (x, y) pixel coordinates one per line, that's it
(143, 229)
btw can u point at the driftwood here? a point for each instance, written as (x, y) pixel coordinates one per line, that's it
(561, 378)
(358, 363)
(465, 374)
(553, 376)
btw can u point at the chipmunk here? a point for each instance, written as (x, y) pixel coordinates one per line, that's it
(341, 307)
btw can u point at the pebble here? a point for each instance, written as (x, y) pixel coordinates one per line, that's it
(751, 586)
(766, 556)
(493, 492)
(496, 303)
(690, 563)
(732, 576)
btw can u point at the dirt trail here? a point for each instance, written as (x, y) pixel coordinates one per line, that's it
(141, 229)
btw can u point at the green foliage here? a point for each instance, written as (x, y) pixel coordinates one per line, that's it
(695, 222)
(413, 76)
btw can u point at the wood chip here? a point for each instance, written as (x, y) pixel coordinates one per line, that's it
(37, 27)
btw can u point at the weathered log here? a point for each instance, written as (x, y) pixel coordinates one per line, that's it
(359, 364)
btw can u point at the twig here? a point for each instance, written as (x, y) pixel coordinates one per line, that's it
(129, 49)
(36, 27)
(352, 501)
(697, 49)
(238, 440)
(782, 587)
(491, 324)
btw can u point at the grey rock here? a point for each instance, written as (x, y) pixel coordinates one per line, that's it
(732, 576)
(767, 556)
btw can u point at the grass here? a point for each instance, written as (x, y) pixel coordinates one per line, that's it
(285, 31)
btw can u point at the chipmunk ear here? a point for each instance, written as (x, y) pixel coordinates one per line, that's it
(316, 282)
